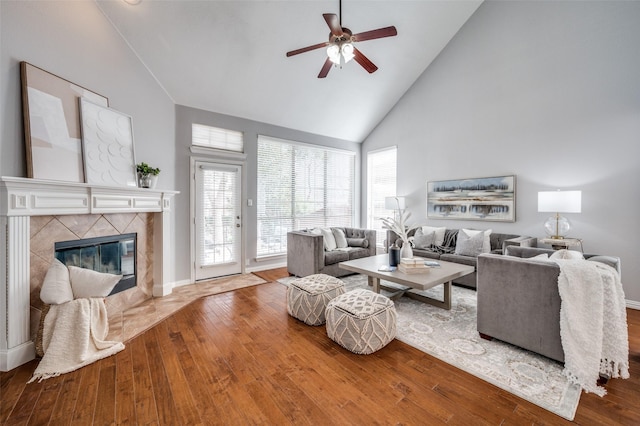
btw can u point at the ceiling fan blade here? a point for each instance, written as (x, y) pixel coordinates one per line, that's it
(307, 49)
(325, 68)
(373, 34)
(364, 61)
(334, 23)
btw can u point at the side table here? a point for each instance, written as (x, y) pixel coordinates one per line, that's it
(563, 243)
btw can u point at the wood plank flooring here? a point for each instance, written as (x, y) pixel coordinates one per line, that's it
(237, 358)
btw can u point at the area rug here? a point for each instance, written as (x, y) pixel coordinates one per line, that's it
(452, 337)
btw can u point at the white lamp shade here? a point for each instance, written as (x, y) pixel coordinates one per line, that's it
(560, 201)
(393, 203)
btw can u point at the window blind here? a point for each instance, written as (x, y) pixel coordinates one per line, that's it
(215, 137)
(301, 186)
(381, 183)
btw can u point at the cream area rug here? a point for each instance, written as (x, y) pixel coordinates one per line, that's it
(452, 337)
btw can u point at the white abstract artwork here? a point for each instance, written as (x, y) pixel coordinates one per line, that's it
(51, 115)
(107, 142)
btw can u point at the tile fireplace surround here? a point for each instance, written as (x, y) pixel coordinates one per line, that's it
(34, 211)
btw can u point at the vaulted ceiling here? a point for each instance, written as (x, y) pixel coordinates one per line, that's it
(229, 56)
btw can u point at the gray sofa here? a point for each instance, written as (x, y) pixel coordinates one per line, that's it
(518, 299)
(446, 252)
(306, 254)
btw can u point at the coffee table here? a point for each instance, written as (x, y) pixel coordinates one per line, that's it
(432, 277)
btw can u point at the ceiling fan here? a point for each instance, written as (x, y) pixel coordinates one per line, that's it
(340, 48)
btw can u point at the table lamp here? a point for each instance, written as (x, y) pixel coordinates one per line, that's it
(558, 202)
(397, 204)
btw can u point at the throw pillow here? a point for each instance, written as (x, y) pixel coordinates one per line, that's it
(329, 239)
(341, 239)
(358, 242)
(566, 254)
(486, 248)
(424, 240)
(469, 245)
(56, 288)
(87, 283)
(438, 232)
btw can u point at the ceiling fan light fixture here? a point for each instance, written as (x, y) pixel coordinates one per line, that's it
(347, 52)
(333, 52)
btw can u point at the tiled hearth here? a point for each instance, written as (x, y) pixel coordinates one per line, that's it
(131, 322)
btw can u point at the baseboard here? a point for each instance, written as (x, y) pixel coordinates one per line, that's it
(15, 357)
(181, 283)
(265, 267)
(632, 304)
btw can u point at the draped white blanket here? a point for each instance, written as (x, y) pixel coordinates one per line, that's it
(73, 336)
(593, 323)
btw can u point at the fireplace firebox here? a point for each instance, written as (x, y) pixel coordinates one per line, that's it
(115, 254)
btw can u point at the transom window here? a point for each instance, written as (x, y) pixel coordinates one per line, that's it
(217, 138)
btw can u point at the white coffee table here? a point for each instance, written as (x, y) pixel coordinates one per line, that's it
(432, 277)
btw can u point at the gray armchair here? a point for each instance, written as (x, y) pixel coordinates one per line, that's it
(306, 254)
(518, 299)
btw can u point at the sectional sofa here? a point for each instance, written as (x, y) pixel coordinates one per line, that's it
(447, 249)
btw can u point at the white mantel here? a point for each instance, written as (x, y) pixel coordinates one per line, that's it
(21, 198)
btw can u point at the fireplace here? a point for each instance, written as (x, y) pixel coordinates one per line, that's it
(114, 254)
(35, 214)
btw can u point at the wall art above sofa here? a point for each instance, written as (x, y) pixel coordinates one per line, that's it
(489, 199)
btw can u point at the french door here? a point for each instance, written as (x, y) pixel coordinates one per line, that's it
(218, 221)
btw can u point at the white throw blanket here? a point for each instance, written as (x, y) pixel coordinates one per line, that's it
(73, 336)
(593, 323)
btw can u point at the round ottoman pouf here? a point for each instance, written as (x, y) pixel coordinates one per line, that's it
(307, 297)
(361, 321)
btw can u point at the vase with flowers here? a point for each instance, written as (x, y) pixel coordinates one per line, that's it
(398, 224)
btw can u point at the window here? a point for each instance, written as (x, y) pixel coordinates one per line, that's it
(215, 137)
(381, 183)
(301, 186)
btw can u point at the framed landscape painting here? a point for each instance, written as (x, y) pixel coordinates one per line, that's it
(52, 124)
(490, 199)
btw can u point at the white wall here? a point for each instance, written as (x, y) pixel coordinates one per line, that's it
(548, 91)
(75, 41)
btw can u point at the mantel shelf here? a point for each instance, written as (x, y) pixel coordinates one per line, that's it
(36, 197)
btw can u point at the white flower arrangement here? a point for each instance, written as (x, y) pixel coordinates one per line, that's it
(399, 226)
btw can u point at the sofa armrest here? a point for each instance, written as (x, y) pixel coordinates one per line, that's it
(522, 241)
(372, 237)
(305, 253)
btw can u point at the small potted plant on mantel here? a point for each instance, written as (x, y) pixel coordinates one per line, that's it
(147, 175)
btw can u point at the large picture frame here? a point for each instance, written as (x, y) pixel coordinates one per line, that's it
(107, 144)
(488, 199)
(52, 124)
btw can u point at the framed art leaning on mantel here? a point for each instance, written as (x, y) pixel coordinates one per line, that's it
(107, 144)
(51, 118)
(490, 199)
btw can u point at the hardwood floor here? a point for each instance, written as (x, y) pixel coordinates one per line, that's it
(238, 358)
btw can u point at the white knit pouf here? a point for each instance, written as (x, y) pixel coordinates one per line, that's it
(361, 321)
(307, 297)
